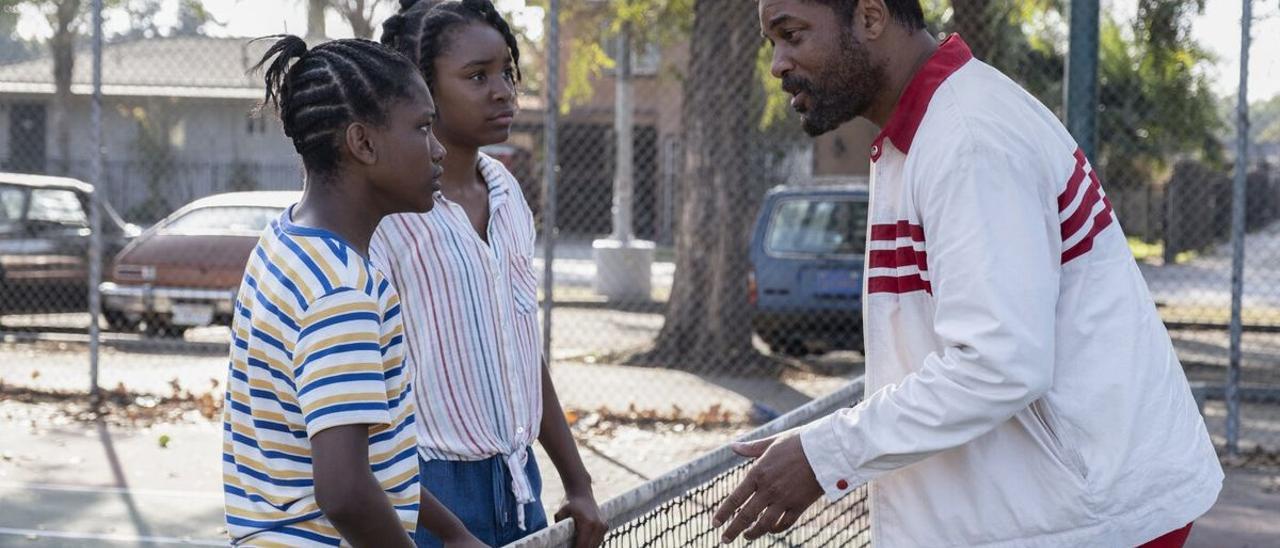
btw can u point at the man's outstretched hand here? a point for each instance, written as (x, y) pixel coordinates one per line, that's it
(779, 487)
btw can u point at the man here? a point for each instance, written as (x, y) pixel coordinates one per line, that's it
(1022, 390)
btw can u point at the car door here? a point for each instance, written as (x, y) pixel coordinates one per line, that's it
(57, 232)
(14, 239)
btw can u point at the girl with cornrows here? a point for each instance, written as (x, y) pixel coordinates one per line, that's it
(470, 295)
(318, 442)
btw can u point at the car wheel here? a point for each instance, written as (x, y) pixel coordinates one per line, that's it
(787, 347)
(119, 321)
(160, 328)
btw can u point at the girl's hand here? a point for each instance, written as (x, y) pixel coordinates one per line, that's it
(589, 525)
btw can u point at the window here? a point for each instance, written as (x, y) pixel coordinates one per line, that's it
(646, 58)
(818, 226)
(224, 219)
(12, 201)
(58, 207)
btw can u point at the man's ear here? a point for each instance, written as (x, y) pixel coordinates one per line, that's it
(360, 143)
(871, 18)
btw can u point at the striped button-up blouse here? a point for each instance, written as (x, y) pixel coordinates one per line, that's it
(471, 324)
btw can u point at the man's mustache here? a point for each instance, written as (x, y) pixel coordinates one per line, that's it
(795, 84)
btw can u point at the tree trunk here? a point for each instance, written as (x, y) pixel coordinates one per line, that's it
(359, 14)
(969, 18)
(62, 46)
(708, 318)
(316, 31)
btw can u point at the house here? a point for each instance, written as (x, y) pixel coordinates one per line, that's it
(176, 122)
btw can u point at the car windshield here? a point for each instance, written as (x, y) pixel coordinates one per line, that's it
(818, 226)
(224, 219)
(58, 207)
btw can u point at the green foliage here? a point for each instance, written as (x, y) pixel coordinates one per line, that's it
(777, 103)
(590, 25)
(1264, 119)
(154, 145)
(1155, 106)
(586, 63)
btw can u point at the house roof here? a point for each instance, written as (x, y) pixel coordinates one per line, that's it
(186, 66)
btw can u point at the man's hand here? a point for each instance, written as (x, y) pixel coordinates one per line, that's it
(779, 487)
(588, 524)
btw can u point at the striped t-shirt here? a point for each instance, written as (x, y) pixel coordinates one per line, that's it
(317, 342)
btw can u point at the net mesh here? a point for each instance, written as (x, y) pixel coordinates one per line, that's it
(686, 520)
(677, 508)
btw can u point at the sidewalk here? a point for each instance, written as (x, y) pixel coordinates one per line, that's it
(70, 483)
(87, 484)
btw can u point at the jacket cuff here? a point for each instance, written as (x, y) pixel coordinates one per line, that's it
(825, 453)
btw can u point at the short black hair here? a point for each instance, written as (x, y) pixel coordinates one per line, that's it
(907, 12)
(421, 29)
(318, 92)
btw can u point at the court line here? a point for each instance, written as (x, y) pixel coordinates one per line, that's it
(110, 489)
(109, 537)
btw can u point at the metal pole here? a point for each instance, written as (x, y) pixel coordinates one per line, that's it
(95, 203)
(550, 170)
(623, 129)
(1237, 233)
(1082, 75)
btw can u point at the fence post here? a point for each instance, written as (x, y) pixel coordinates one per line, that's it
(95, 204)
(1238, 233)
(1082, 75)
(550, 169)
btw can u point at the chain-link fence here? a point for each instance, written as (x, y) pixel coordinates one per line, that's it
(683, 287)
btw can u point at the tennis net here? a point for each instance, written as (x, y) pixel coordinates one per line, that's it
(676, 509)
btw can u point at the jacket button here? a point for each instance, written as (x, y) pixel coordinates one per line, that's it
(842, 485)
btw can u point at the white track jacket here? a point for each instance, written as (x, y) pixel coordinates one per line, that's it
(1021, 387)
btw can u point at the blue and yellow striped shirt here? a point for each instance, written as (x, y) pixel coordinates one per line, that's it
(317, 342)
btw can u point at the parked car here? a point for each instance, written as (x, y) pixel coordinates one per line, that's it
(184, 271)
(806, 260)
(44, 242)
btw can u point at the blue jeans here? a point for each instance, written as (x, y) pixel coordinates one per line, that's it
(479, 493)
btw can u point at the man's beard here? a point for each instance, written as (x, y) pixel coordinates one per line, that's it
(843, 91)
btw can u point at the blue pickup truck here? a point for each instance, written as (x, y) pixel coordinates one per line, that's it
(806, 258)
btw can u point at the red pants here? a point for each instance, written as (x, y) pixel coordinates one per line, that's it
(1174, 539)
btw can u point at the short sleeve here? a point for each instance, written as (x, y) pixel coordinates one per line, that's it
(338, 365)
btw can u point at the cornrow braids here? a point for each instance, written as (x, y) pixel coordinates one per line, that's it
(422, 28)
(320, 91)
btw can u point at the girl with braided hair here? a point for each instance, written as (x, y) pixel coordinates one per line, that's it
(318, 443)
(465, 270)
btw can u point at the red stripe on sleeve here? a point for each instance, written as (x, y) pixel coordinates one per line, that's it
(1101, 221)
